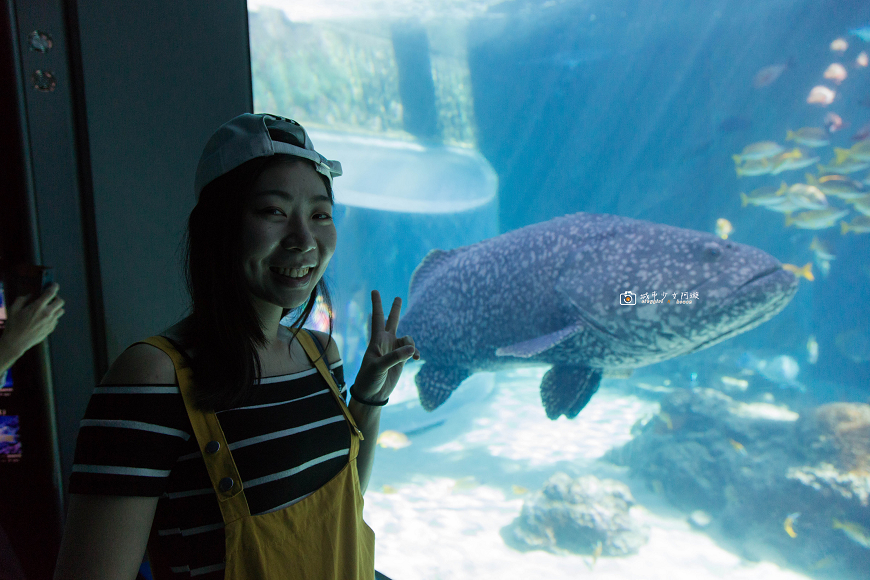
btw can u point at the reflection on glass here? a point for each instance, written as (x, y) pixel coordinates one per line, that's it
(672, 383)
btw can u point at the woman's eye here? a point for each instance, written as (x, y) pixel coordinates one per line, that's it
(273, 210)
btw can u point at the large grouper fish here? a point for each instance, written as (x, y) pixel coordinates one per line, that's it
(549, 294)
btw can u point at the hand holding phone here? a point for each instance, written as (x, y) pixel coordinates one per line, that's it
(31, 318)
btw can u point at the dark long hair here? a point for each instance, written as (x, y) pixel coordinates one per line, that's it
(224, 330)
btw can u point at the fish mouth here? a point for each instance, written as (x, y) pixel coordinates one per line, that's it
(764, 273)
(760, 275)
(749, 324)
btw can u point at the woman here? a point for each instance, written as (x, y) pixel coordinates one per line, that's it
(183, 448)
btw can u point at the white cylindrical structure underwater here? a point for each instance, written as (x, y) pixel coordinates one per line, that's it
(406, 176)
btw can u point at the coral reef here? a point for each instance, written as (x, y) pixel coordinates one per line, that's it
(578, 516)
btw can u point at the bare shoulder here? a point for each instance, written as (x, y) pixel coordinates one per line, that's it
(141, 364)
(332, 353)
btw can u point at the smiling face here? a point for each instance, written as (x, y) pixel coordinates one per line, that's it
(286, 223)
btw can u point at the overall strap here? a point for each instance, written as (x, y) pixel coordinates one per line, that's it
(308, 342)
(210, 437)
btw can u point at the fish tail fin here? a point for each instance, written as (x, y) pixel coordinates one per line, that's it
(842, 154)
(811, 179)
(783, 187)
(844, 227)
(789, 135)
(807, 271)
(737, 159)
(788, 219)
(744, 199)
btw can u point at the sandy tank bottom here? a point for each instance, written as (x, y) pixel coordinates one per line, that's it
(437, 505)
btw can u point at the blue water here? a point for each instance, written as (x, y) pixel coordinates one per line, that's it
(619, 107)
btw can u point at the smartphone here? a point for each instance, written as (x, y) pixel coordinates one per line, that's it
(47, 279)
(30, 280)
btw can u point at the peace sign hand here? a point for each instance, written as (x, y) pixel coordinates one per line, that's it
(385, 356)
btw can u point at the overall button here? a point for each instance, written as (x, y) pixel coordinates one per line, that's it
(212, 446)
(225, 484)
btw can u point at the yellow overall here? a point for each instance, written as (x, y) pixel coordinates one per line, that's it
(322, 537)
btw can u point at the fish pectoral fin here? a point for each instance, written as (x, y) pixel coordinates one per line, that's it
(539, 344)
(566, 390)
(436, 383)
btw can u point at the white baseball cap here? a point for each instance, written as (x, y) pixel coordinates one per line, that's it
(247, 137)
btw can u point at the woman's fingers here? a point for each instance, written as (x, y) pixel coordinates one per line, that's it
(377, 313)
(393, 320)
(398, 356)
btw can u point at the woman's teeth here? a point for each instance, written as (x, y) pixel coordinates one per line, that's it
(292, 273)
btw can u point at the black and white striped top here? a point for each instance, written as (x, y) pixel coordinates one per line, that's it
(136, 440)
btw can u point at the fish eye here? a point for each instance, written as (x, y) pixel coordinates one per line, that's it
(712, 252)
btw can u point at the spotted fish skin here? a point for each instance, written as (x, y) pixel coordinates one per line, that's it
(548, 294)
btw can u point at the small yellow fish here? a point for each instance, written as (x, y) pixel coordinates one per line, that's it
(723, 228)
(809, 136)
(861, 204)
(519, 490)
(393, 440)
(389, 489)
(822, 250)
(805, 272)
(788, 524)
(667, 419)
(806, 190)
(847, 166)
(785, 204)
(812, 350)
(760, 150)
(816, 219)
(838, 186)
(860, 151)
(738, 447)
(753, 167)
(793, 154)
(856, 532)
(768, 195)
(825, 267)
(792, 160)
(859, 225)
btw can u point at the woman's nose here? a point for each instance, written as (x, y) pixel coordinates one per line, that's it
(299, 236)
